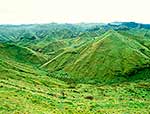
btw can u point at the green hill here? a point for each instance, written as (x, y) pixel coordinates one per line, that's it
(21, 54)
(111, 56)
(75, 68)
(25, 89)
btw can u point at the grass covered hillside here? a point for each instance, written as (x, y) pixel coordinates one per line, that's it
(25, 89)
(110, 56)
(75, 68)
(21, 54)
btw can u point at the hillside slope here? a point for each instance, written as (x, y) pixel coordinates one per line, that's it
(25, 89)
(21, 54)
(112, 55)
(75, 68)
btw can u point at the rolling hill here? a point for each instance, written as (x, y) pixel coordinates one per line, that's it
(26, 89)
(112, 55)
(21, 54)
(75, 68)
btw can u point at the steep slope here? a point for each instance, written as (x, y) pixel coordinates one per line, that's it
(76, 54)
(111, 56)
(21, 54)
(25, 89)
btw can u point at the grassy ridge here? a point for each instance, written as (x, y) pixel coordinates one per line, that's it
(124, 54)
(21, 54)
(75, 69)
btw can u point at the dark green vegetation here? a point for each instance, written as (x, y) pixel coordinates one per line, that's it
(71, 69)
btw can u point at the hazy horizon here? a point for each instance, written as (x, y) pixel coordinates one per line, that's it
(73, 11)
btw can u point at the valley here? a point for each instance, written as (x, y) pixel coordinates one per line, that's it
(91, 68)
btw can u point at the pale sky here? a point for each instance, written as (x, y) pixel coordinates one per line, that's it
(73, 11)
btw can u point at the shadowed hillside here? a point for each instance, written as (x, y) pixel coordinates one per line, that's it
(21, 54)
